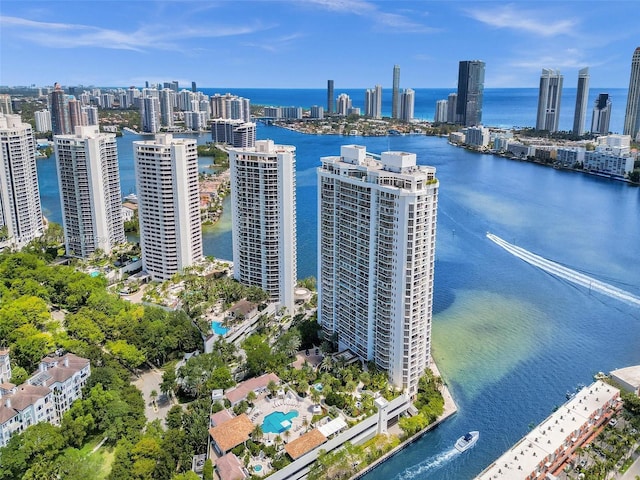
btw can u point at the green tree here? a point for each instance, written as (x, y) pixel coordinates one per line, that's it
(207, 471)
(258, 354)
(128, 354)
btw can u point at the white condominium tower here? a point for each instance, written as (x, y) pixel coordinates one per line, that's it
(168, 204)
(90, 194)
(20, 210)
(263, 199)
(376, 242)
(373, 102)
(549, 98)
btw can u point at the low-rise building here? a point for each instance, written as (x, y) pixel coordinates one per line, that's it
(546, 448)
(570, 156)
(520, 150)
(477, 136)
(628, 378)
(44, 397)
(608, 163)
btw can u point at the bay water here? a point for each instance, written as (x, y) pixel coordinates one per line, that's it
(510, 339)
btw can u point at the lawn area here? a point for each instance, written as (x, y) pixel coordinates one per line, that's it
(101, 459)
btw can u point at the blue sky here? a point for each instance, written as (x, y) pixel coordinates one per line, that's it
(302, 43)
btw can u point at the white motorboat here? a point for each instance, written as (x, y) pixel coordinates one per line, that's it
(467, 441)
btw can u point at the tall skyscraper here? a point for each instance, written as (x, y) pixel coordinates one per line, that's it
(601, 115)
(373, 102)
(168, 204)
(330, 97)
(193, 87)
(343, 104)
(263, 202)
(376, 240)
(549, 98)
(166, 107)
(440, 115)
(407, 104)
(59, 107)
(5, 103)
(470, 93)
(75, 114)
(632, 114)
(90, 195)
(43, 120)
(20, 209)
(582, 97)
(150, 114)
(452, 105)
(395, 93)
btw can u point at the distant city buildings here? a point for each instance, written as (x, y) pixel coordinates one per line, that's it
(373, 102)
(90, 194)
(230, 106)
(343, 104)
(452, 105)
(20, 209)
(470, 93)
(150, 113)
(376, 240)
(632, 113)
(59, 108)
(330, 96)
(611, 156)
(43, 121)
(476, 136)
(407, 105)
(263, 202)
(44, 397)
(168, 204)
(549, 98)
(582, 97)
(316, 112)
(5, 104)
(395, 93)
(601, 115)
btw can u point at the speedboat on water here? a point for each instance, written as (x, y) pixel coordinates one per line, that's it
(467, 441)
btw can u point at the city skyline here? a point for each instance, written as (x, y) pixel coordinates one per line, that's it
(151, 41)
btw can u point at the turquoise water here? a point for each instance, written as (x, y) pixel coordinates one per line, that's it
(95, 274)
(509, 339)
(273, 423)
(318, 387)
(257, 468)
(218, 328)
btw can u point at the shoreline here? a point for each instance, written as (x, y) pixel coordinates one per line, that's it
(450, 409)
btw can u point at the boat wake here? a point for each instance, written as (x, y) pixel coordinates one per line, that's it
(566, 273)
(427, 465)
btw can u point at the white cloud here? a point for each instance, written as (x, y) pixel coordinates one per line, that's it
(156, 37)
(528, 21)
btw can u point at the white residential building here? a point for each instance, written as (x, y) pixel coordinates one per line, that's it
(343, 104)
(263, 200)
(237, 133)
(549, 99)
(90, 194)
(407, 104)
(43, 121)
(44, 397)
(317, 111)
(373, 102)
(570, 156)
(441, 111)
(150, 113)
(20, 209)
(168, 204)
(5, 366)
(376, 245)
(477, 136)
(603, 161)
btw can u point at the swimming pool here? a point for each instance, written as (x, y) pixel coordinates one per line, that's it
(318, 387)
(218, 328)
(94, 273)
(257, 468)
(278, 422)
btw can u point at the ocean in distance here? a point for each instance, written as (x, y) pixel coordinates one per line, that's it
(509, 338)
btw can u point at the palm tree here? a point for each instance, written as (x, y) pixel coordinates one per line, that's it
(287, 434)
(257, 433)
(251, 397)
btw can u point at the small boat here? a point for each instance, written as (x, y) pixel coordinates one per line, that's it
(467, 441)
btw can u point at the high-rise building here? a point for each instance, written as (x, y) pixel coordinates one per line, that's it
(90, 114)
(59, 108)
(330, 96)
(263, 200)
(395, 93)
(452, 104)
(373, 102)
(601, 115)
(43, 120)
(20, 209)
(193, 87)
(168, 204)
(376, 241)
(470, 93)
(440, 115)
(166, 107)
(90, 194)
(75, 114)
(407, 104)
(582, 97)
(150, 114)
(317, 111)
(5, 104)
(632, 114)
(343, 104)
(549, 98)
(237, 133)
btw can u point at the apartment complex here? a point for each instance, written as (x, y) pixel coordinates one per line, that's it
(395, 93)
(543, 452)
(20, 209)
(373, 102)
(44, 397)
(601, 115)
(407, 104)
(263, 202)
(168, 204)
(237, 133)
(90, 194)
(376, 243)
(549, 98)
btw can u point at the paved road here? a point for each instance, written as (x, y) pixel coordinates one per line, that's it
(633, 472)
(149, 381)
